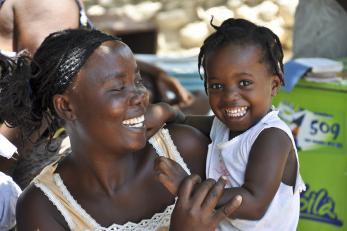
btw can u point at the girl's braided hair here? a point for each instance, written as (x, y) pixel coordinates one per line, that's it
(27, 85)
(243, 32)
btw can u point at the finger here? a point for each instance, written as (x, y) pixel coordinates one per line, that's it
(201, 191)
(187, 187)
(169, 167)
(228, 209)
(160, 164)
(168, 183)
(214, 195)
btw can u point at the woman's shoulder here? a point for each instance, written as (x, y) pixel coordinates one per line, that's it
(192, 146)
(35, 210)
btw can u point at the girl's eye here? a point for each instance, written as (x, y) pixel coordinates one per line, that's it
(245, 83)
(215, 86)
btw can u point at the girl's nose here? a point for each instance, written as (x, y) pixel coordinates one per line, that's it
(231, 94)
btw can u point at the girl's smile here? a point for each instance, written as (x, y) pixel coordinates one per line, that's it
(240, 85)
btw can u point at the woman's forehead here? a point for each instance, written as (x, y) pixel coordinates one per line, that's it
(108, 61)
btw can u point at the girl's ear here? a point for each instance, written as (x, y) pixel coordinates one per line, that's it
(275, 85)
(63, 107)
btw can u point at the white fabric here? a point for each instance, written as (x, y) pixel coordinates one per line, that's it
(10, 54)
(9, 193)
(7, 149)
(320, 29)
(229, 158)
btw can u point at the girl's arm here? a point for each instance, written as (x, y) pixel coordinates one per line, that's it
(201, 122)
(160, 113)
(264, 173)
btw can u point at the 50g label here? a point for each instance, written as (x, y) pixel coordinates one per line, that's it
(325, 128)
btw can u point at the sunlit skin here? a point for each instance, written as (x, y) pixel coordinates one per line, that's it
(110, 94)
(240, 86)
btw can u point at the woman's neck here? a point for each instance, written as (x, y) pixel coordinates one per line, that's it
(111, 171)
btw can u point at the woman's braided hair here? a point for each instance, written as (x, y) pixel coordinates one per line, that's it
(27, 86)
(243, 32)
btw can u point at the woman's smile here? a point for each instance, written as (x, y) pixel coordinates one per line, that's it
(135, 122)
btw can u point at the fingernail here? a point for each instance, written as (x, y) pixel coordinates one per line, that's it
(224, 178)
(238, 198)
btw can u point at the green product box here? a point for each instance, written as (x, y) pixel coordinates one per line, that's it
(317, 115)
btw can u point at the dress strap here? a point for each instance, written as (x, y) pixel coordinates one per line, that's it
(164, 146)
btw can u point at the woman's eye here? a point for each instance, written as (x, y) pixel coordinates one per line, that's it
(118, 88)
(139, 82)
(245, 83)
(215, 86)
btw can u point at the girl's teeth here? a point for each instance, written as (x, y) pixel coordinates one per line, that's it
(236, 112)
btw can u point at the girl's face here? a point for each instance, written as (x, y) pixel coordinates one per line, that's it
(110, 99)
(240, 86)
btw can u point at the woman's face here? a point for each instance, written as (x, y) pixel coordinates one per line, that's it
(110, 100)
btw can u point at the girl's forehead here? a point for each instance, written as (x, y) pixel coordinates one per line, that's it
(235, 54)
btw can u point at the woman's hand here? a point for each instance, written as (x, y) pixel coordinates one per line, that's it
(170, 174)
(195, 207)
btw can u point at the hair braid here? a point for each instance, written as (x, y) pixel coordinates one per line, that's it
(27, 86)
(243, 32)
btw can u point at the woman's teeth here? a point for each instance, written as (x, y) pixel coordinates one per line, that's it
(236, 111)
(134, 122)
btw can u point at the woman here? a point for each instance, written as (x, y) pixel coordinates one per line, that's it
(107, 182)
(17, 20)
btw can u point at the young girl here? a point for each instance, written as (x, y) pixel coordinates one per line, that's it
(251, 146)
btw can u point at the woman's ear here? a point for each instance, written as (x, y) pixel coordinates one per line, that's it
(275, 85)
(63, 107)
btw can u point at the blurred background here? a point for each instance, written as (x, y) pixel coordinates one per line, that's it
(178, 28)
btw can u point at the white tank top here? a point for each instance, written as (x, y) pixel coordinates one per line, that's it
(229, 158)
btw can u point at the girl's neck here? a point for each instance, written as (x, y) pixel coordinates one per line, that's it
(233, 134)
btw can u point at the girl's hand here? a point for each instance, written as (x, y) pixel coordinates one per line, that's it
(170, 174)
(172, 91)
(160, 113)
(195, 207)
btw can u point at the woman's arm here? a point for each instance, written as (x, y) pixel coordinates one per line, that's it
(35, 212)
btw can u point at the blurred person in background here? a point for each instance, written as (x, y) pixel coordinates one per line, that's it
(320, 29)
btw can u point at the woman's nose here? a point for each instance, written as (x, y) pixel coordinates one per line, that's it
(140, 95)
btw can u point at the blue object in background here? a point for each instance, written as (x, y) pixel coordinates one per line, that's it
(293, 72)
